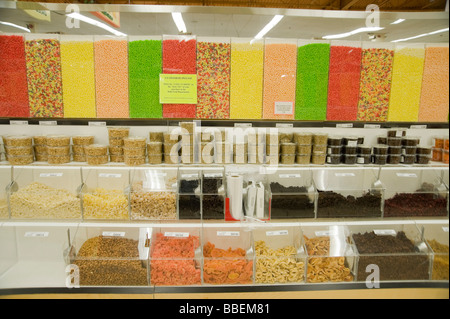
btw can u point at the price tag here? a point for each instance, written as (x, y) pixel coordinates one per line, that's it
(189, 176)
(97, 123)
(110, 175)
(327, 233)
(289, 175)
(277, 233)
(372, 126)
(113, 234)
(385, 232)
(37, 234)
(15, 122)
(284, 108)
(416, 126)
(50, 123)
(406, 175)
(212, 175)
(50, 174)
(284, 125)
(229, 233)
(243, 125)
(344, 174)
(344, 125)
(176, 234)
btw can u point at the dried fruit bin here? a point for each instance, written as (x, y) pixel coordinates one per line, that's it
(111, 256)
(390, 252)
(227, 256)
(280, 256)
(153, 193)
(213, 193)
(330, 255)
(419, 192)
(348, 193)
(32, 256)
(45, 193)
(175, 258)
(436, 236)
(5, 180)
(105, 193)
(292, 194)
(189, 193)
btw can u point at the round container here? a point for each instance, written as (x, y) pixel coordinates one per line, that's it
(396, 132)
(155, 136)
(380, 149)
(79, 158)
(423, 159)
(318, 158)
(395, 150)
(40, 140)
(96, 150)
(382, 139)
(116, 158)
(320, 139)
(17, 140)
(115, 141)
(154, 148)
(302, 138)
(394, 141)
(303, 158)
(334, 150)
(446, 143)
(82, 140)
(333, 159)
(19, 150)
(319, 148)
(134, 160)
(438, 141)
(364, 159)
(168, 138)
(97, 160)
(134, 142)
(303, 149)
(134, 151)
(436, 154)
(380, 159)
(349, 150)
(408, 159)
(287, 159)
(349, 159)
(285, 137)
(394, 159)
(423, 150)
(350, 140)
(409, 150)
(364, 149)
(115, 150)
(58, 159)
(410, 141)
(20, 159)
(155, 158)
(445, 156)
(118, 132)
(58, 150)
(58, 140)
(78, 149)
(288, 148)
(43, 157)
(334, 140)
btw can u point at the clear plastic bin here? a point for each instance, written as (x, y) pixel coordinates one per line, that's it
(436, 236)
(213, 197)
(189, 193)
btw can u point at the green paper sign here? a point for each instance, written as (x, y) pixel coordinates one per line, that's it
(178, 88)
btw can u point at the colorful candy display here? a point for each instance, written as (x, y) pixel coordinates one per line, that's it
(179, 56)
(343, 85)
(77, 65)
(246, 85)
(406, 84)
(13, 77)
(213, 80)
(144, 67)
(313, 62)
(434, 97)
(43, 59)
(111, 78)
(280, 61)
(375, 84)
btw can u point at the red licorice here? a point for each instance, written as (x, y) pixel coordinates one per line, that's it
(13, 77)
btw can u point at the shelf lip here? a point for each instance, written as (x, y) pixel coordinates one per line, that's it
(222, 289)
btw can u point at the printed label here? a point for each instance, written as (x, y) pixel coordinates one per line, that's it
(344, 125)
(277, 233)
(48, 123)
(289, 175)
(229, 233)
(343, 174)
(372, 126)
(97, 123)
(385, 232)
(176, 234)
(406, 175)
(50, 174)
(113, 234)
(110, 175)
(37, 234)
(284, 108)
(15, 122)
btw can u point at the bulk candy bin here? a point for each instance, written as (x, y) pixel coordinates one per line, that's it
(436, 236)
(213, 194)
(189, 193)
(5, 180)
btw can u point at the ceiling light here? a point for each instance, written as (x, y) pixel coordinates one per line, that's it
(96, 23)
(178, 19)
(269, 26)
(422, 35)
(398, 21)
(347, 34)
(14, 26)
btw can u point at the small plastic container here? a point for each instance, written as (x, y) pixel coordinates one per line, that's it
(364, 149)
(394, 141)
(349, 150)
(116, 158)
(364, 159)
(334, 159)
(303, 159)
(423, 159)
(380, 149)
(155, 136)
(335, 140)
(58, 140)
(410, 141)
(155, 158)
(42, 157)
(96, 150)
(320, 139)
(303, 149)
(17, 140)
(409, 150)
(382, 139)
(285, 137)
(334, 150)
(436, 155)
(154, 148)
(350, 140)
(40, 140)
(20, 159)
(287, 159)
(395, 150)
(360, 140)
(318, 158)
(19, 150)
(438, 141)
(79, 158)
(302, 138)
(118, 132)
(446, 143)
(134, 151)
(408, 159)
(188, 126)
(349, 159)
(319, 148)
(445, 156)
(135, 142)
(134, 160)
(78, 149)
(288, 148)
(379, 159)
(396, 132)
(97, 160)
(421, 150)
(113, 141)
(58, 150)
(58, 159)
(82, 140)
(394, 159)
(115, 150)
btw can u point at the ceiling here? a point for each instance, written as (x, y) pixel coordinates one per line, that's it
(235, 22)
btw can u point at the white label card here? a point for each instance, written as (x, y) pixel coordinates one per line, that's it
(344, 174)
(228, 233)
(406, 175)
(50, 174)
(385, 232)
(113, 234)
(277, 233)
(284, 125)
(48, 123)
(97, 123)
(284, 108)
(243, 125)
(289, 175)
(15, 122)
(328, 233)
(421, 126)
(37, 234)
(372, 126)
(344, 125)
(110, 175)
(176, 234)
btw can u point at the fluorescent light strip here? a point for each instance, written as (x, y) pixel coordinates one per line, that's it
(347, 34)
(14, 25)
(422, 35)
(269, 26)
(398, 21)
(96, 23)
(179, 22)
